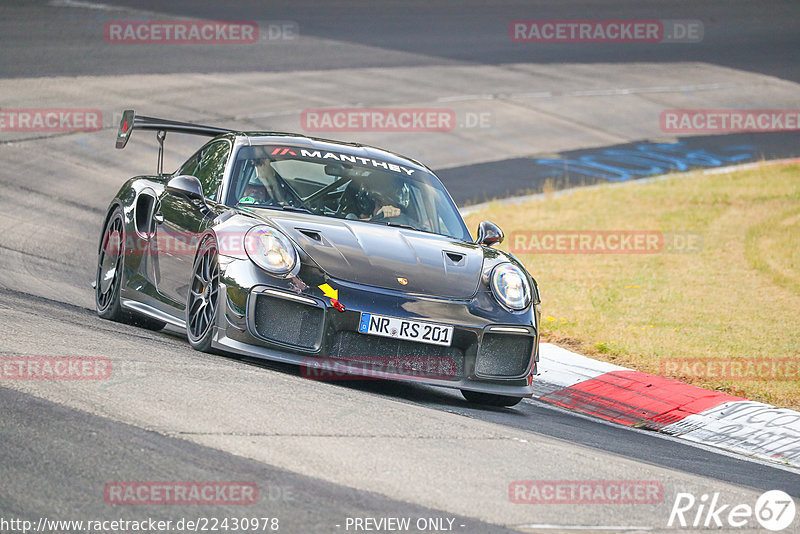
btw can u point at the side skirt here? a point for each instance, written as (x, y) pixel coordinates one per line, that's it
(152, 312)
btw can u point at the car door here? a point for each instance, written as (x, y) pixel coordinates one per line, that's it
(180, 220)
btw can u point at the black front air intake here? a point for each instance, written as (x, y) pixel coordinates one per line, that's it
(288, 322)
(415, 359)
(504, 355)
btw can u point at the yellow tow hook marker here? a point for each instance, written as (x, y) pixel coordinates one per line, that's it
(332, 294)
(329, 292)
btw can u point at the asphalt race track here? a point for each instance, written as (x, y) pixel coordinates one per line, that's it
(322, 452)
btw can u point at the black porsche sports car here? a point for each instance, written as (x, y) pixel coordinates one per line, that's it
(343, 258)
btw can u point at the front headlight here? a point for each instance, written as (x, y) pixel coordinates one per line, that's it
(270, 249)
(510, 286)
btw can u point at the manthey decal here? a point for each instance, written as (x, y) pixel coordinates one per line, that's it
(338, 156)
(333, 295)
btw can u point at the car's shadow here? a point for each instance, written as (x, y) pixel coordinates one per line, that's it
(408, 391)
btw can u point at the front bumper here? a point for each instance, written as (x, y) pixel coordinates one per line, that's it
(493, 350)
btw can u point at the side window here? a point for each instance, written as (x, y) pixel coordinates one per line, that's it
(211, 167)
(189, 167)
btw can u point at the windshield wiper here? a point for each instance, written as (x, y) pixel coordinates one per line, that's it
(394, 224)
(298, 209)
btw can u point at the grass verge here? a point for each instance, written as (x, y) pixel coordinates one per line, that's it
(718, 306)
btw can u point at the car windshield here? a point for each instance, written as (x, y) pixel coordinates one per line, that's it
(336, 184)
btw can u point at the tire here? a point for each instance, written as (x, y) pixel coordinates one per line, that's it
(489, 399)
(108, 281)
(110, 264)
(202, 302)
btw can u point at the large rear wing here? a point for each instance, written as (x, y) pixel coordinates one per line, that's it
(130, 121)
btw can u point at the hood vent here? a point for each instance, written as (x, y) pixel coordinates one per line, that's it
(311, 234)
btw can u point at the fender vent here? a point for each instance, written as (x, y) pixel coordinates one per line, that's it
(454, 258)
(143, 214)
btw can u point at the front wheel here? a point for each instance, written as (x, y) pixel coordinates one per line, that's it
(203, 299)
(110, 262)
(489, 399)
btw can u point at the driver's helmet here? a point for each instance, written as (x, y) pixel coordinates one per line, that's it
(381, 190)
(255, 191)
(364, 202)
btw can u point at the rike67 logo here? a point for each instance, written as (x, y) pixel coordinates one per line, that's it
(774, 510)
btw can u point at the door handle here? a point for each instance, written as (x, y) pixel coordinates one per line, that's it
(158, 217)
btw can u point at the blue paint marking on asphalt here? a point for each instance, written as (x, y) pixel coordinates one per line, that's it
(364, 326)
(646, 160)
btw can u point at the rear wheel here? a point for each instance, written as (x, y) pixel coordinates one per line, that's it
(108, 282)
(203, 299)
(489, 399)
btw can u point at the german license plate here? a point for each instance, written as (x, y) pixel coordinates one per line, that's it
(421, 332)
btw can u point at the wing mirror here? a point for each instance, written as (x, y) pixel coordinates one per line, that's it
(489, 234)
(186, 185)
